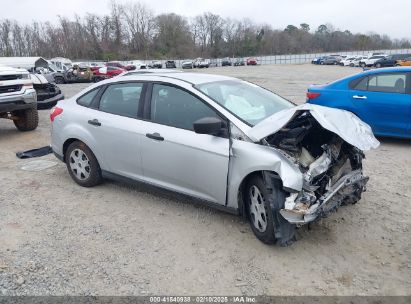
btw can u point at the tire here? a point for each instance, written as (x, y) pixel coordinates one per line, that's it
(352, 65)
(262, 225)
(378, 65)
(363, 65)
(59, 80)
(27, 120)
(322, 63)
(82, 165)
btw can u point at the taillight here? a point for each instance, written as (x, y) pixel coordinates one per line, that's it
(55, 112)
(312, 95)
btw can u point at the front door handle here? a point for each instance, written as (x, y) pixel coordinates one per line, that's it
(94, 122)
(359, 97)
(155, 136)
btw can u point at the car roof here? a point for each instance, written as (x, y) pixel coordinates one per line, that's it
(150, 71)
(193, 78)
(388, 70)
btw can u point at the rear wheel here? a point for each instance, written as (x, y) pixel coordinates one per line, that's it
(82, 165)
(27, 120)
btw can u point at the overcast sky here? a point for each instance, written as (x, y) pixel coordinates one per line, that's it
(392, 17)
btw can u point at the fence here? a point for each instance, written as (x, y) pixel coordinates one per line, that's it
(290, 59)
(300, 58)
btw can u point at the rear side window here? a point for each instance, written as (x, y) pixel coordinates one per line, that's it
(87, 98)
(359, 84)
(122, 99)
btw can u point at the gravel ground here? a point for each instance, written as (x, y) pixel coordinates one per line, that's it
(57, 238)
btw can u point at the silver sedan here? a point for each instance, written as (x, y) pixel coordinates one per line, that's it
(223, 141)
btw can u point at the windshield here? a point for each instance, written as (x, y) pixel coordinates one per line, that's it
(247, 101)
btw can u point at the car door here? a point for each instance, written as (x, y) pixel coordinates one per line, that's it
(383, 101)
(173, 155)
(113, 122)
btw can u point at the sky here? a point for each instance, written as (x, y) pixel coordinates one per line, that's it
(391, 17)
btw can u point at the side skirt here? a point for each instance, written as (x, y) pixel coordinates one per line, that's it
(152, 188)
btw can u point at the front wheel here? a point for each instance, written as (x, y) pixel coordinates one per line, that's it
(259, 212)
(378, 65)
(82, 165)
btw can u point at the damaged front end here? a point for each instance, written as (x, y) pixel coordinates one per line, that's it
(48, 94)
(331, 168)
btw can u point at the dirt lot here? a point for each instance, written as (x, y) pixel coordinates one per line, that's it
(58, 238)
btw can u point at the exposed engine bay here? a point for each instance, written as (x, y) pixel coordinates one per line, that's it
(331, 168)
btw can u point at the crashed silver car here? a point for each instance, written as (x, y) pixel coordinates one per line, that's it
(224, 141)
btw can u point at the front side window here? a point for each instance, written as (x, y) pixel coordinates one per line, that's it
(388, 83)
(177, 108)
(247, 101)
(121, 99)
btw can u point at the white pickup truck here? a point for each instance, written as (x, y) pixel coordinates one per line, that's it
(18, 99)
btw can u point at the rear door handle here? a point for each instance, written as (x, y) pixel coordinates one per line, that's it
(359, 97)
(155, 136)
(94, 122)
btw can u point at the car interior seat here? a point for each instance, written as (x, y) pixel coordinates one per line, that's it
(400, 86)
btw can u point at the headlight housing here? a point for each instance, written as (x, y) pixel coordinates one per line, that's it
(25, 76)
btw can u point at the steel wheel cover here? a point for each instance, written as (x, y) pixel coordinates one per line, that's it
(258, 213)
(79, 164)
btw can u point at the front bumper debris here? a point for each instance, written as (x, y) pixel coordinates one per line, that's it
(299, 213)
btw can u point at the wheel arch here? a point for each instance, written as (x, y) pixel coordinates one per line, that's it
(67, 143)
(70, 140)
(265, 175)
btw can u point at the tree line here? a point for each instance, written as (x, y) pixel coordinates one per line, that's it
(133, 31)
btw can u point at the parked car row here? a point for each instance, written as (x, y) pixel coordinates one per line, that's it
(377, 60)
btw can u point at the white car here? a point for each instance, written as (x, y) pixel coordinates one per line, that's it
(370, 61)
(347, 61)
(356, 61)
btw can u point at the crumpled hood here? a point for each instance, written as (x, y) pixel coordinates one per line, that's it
(343, 123)
(38, 79)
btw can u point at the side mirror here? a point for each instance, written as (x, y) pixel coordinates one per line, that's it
(208, 125)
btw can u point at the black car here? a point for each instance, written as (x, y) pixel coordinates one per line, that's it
(390, 60)
(170, 64)
(226, 62)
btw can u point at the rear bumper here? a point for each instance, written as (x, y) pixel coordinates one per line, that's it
(343, 189)
(15, 102)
